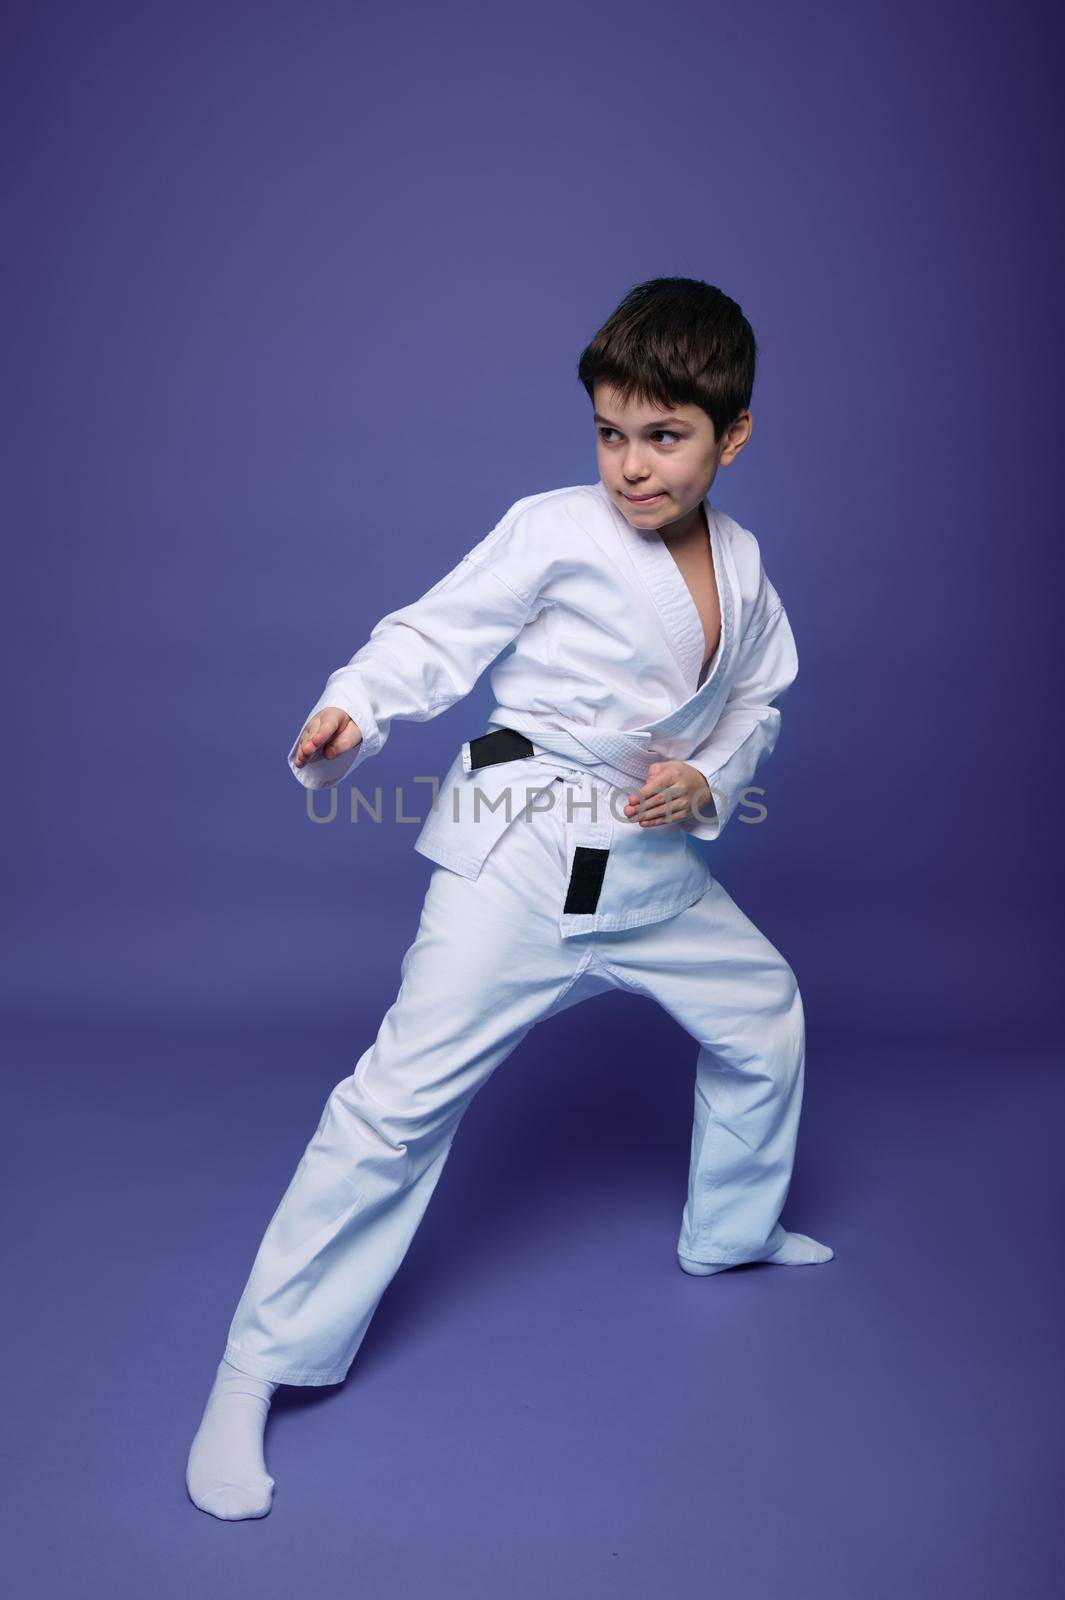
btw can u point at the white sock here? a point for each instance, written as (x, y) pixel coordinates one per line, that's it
(226, 1473)
(797, 1250)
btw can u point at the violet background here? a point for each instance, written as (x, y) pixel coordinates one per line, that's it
(295, 297)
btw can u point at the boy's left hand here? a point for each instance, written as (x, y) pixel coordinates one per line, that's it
(672, 788)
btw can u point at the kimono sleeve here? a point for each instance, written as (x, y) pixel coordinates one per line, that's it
(422, 658)
(746, 732)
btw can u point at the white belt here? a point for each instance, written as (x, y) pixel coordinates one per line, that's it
(620, 758)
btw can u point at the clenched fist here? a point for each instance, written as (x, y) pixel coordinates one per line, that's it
(329, 733)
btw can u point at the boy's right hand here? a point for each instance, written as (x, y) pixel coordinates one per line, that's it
(329, 733)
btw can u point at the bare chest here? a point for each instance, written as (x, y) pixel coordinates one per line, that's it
(696, 564)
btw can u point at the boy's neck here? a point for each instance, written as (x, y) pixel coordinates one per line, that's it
(690, 529)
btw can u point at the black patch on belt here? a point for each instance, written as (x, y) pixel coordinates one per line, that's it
(586, 879)
(503, 744)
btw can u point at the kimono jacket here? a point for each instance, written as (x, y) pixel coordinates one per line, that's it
(602, 676)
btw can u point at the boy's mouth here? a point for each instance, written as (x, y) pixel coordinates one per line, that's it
(642, 499)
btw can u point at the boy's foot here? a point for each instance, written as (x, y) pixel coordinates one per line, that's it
(797, 1250)
(226, 1473)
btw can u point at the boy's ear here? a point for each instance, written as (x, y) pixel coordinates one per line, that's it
(739, 431)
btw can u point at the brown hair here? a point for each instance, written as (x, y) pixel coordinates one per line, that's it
(675, 342)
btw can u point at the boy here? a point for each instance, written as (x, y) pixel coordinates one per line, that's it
(632, 712)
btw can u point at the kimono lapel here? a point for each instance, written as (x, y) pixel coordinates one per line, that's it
(672, 599)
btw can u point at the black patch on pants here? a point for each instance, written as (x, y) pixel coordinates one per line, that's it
(586, 879)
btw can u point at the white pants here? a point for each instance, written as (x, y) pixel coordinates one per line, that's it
(487, 963)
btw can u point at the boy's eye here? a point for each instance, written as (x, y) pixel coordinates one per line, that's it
(659, 433)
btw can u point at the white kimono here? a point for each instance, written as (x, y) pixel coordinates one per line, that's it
(603, 679)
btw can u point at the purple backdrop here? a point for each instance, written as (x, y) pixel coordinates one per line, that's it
(296, 294)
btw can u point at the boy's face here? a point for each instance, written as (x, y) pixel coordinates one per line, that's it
(658, 465)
